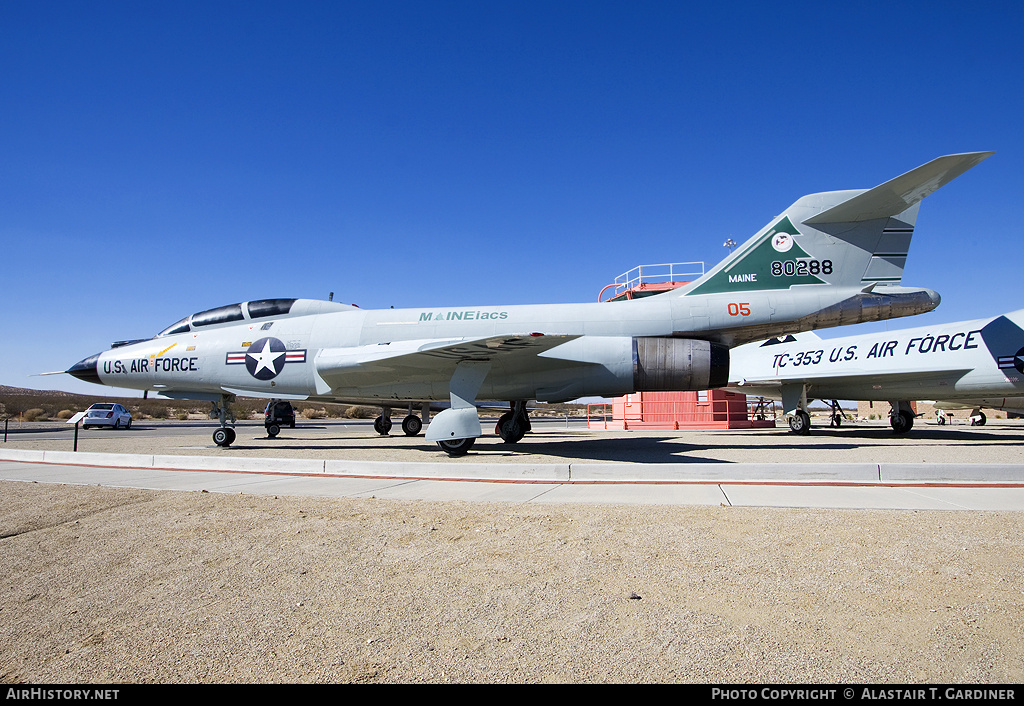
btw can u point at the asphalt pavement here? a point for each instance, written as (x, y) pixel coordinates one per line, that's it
(862, 465)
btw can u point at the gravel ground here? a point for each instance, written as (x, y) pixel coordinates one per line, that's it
(120, 585)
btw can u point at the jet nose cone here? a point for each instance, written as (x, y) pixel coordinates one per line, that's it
(86, 370)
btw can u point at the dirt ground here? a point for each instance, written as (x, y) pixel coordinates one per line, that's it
(118, 585)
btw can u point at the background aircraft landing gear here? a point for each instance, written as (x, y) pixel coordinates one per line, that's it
(901, 417)
(837, 414)
(978, 419)
(901, 422)
(800, 422)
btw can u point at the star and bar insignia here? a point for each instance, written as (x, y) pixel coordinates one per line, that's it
(265, 358)
(1015, 361)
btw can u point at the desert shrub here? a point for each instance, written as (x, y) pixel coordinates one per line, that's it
(33, 415)
(65, 414)
(360, 412)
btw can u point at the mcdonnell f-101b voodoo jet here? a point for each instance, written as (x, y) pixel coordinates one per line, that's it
(969, 364)
(830, 259)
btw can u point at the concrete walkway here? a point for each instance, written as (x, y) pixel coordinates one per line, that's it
(923, 486)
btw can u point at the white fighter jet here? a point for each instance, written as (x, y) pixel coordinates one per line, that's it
(829, 259)
(969, 364)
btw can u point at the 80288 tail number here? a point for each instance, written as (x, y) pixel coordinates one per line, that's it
(797, 268)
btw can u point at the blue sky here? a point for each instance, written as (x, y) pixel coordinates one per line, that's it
(158, 159)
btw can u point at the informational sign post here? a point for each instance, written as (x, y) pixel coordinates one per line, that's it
(75, 420)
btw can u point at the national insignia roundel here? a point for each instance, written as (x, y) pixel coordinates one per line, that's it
(265, 358)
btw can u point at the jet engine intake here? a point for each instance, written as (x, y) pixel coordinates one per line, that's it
(670, 364)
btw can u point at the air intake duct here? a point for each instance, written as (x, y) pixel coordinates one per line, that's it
(676, 364)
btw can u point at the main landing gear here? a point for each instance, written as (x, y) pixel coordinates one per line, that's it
(800, 422)
(411, 424)
(794, 397)
(456, 447)
(515, 424)
(455, 429)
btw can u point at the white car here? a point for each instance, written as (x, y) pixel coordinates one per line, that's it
(107, 414)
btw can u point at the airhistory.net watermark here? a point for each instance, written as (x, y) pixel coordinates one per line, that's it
(54, 694)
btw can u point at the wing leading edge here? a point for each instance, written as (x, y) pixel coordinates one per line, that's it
(424, 359)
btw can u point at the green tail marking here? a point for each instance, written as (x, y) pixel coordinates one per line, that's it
(774, 261)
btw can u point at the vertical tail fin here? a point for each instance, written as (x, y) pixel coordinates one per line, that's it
(838, 239)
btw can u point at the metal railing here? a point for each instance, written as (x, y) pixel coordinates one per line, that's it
(652, 274)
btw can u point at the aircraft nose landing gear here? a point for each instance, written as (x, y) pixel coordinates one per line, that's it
(225, 436)
(901, 417)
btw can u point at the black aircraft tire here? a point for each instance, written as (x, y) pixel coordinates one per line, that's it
(224, 436)
(800, 423)
(457, 447)
(511, 430)
(902, 423)
(382, 425)
(412, 425)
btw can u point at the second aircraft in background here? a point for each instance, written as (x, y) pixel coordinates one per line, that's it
(973, 364)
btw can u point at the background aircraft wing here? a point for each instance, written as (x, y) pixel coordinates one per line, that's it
(853, 387)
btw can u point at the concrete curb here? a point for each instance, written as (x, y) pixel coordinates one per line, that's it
(596, 473)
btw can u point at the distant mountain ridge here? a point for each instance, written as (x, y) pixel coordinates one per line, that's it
(8, 390)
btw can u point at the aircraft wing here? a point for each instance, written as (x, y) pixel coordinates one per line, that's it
(856, 387)
(425, 359)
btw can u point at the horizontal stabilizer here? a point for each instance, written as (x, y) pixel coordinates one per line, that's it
(897, 195)
(791, 338)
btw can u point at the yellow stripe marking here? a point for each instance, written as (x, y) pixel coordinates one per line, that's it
(163, 351)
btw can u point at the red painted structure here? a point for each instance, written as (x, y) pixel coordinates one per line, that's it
(713, 409)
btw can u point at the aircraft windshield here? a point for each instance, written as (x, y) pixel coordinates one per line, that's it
(179, 327)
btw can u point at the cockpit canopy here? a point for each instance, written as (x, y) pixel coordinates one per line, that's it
(259, 309)
(232, 312)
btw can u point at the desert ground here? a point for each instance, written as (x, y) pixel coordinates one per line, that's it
(109, 585)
